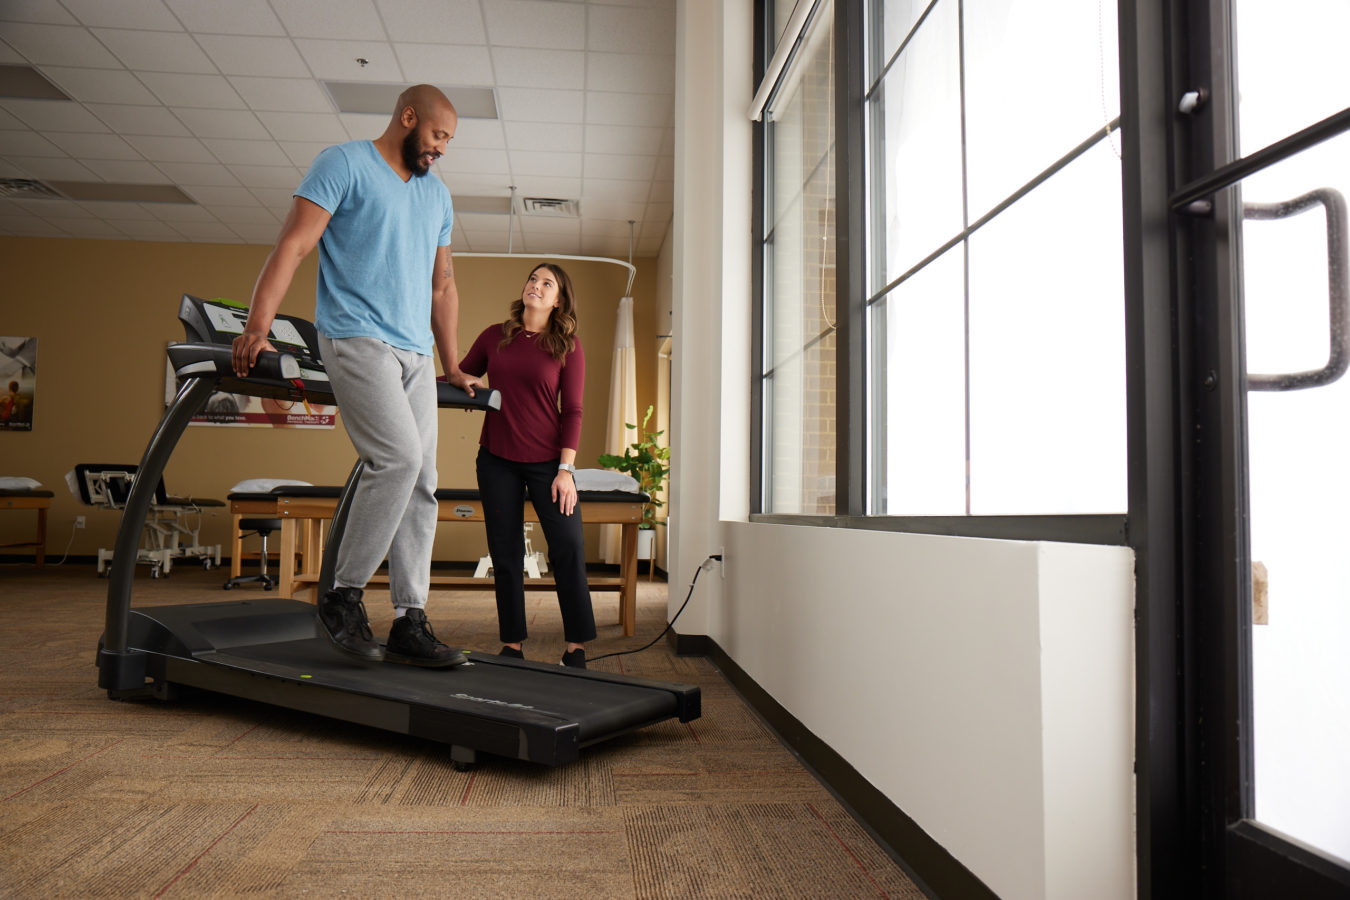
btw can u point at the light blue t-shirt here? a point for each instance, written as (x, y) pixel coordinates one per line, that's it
(377, 254)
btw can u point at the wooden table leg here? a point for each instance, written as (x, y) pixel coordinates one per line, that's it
(236, 549)
(628, 571)
(286, 563)
(41, 550)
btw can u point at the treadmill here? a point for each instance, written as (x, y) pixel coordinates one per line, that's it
(271, 650)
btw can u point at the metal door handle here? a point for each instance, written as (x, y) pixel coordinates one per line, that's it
(1338, 296)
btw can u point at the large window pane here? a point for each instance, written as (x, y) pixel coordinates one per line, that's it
(916, 111)
(922, 324)
(799, 316)
(897, 18)
(1041, 77)
(1047, 348)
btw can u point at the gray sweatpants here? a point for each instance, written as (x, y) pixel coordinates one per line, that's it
(387, 400)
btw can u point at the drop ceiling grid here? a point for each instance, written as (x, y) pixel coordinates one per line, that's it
(225, 100)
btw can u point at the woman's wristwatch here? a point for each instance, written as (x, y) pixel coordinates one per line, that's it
(569, 469)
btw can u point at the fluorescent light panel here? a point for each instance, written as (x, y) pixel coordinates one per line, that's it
(380, 99)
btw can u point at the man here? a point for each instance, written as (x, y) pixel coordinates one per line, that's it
(386, 289)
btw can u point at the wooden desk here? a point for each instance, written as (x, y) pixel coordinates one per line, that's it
(32, 499)
(302, 531)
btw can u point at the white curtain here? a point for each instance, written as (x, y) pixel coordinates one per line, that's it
(622, 409)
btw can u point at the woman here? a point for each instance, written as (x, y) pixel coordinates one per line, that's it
(535, 359)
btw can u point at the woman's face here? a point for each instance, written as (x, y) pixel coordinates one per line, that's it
(541, 290)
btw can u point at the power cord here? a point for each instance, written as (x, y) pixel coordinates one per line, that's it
(69, 543)
(706, 564)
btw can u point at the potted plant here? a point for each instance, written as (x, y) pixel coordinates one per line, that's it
(648, 462)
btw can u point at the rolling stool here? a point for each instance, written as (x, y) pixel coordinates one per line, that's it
(262, 528)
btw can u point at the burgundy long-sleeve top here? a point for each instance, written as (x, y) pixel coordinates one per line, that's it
(541, 397)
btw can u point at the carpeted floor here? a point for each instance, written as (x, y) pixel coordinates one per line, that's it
(216, 797)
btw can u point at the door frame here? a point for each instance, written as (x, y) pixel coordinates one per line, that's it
(1187, 513)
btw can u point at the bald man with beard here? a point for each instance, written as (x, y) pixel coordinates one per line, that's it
(386, 293)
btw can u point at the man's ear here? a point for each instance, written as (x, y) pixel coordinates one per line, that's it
(408, 118)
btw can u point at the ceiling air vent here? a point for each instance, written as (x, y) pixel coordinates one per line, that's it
(26, 189)
(545, 206)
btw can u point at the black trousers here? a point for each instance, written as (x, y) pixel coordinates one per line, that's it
(501, 485)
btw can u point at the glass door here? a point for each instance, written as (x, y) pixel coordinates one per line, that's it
(1271, 318)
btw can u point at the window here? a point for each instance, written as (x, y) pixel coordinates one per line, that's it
(996, 315)
(797, 376)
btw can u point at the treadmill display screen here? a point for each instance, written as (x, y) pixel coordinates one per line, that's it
(232, 319)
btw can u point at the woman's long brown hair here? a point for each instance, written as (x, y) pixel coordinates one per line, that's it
(559, 336)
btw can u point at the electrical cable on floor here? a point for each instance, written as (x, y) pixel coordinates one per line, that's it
(69, 543)
(706, 564)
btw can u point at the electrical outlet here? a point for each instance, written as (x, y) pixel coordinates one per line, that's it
(79, 521)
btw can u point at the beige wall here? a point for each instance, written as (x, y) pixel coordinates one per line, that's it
(103, 311)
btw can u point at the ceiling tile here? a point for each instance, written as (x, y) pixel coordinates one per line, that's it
(472, 162)
(293, 126)
(208, 232)
(283, 94)
(244, 17)
(549, 163)
(29, 226)
(138, 119)
(548, 225)
(273, 177)
(601, 165)
(171, 149)
(605, 228)
(636, 30)
(9, 123)
(115, 211)
(665, 168)
(615, 209)
(638, 73)
(536, 23)
(57, 45)
(193, 91)
(94, 146)
(554, 188)
(126, 171)
(152, 230)
(471, 185)
(441, 64)
(266, 56)
(247, 215)
(235, 153)
(278, 199)
(529, 105)
(255, 234)
(363, 126)
(520, 67)
(197, 173)
(44, 115)
(478, 134)
(26, 143)
(333, 19)
(90, 228)
(337, 60)
(223, 123)
(151, 15)
(609, 189)
(623, 139)
(54, 168)
(156, 51)
(438, 21)
(223, 197)
(612, 108)
(479, 222)
(561, 137)
(43, 11)
(180, 212)
(544, 244)
(100, 85)
(302, 153)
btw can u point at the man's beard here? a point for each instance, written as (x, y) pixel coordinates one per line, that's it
(412, 155)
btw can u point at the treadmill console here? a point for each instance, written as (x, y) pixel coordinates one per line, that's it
(221, 321)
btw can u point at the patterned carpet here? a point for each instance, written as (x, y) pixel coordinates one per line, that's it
(216, 797)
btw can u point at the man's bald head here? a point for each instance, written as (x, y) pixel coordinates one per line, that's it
(426, 101)
(422, 125)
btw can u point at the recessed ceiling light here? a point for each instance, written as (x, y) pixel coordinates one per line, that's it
(28, 83)
(380, 99)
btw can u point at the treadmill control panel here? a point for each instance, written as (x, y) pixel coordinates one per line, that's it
(221, 321)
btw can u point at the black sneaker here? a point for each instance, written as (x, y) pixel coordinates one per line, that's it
(412, 643)
(575, 659)
(342, 619)
(511, 652)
